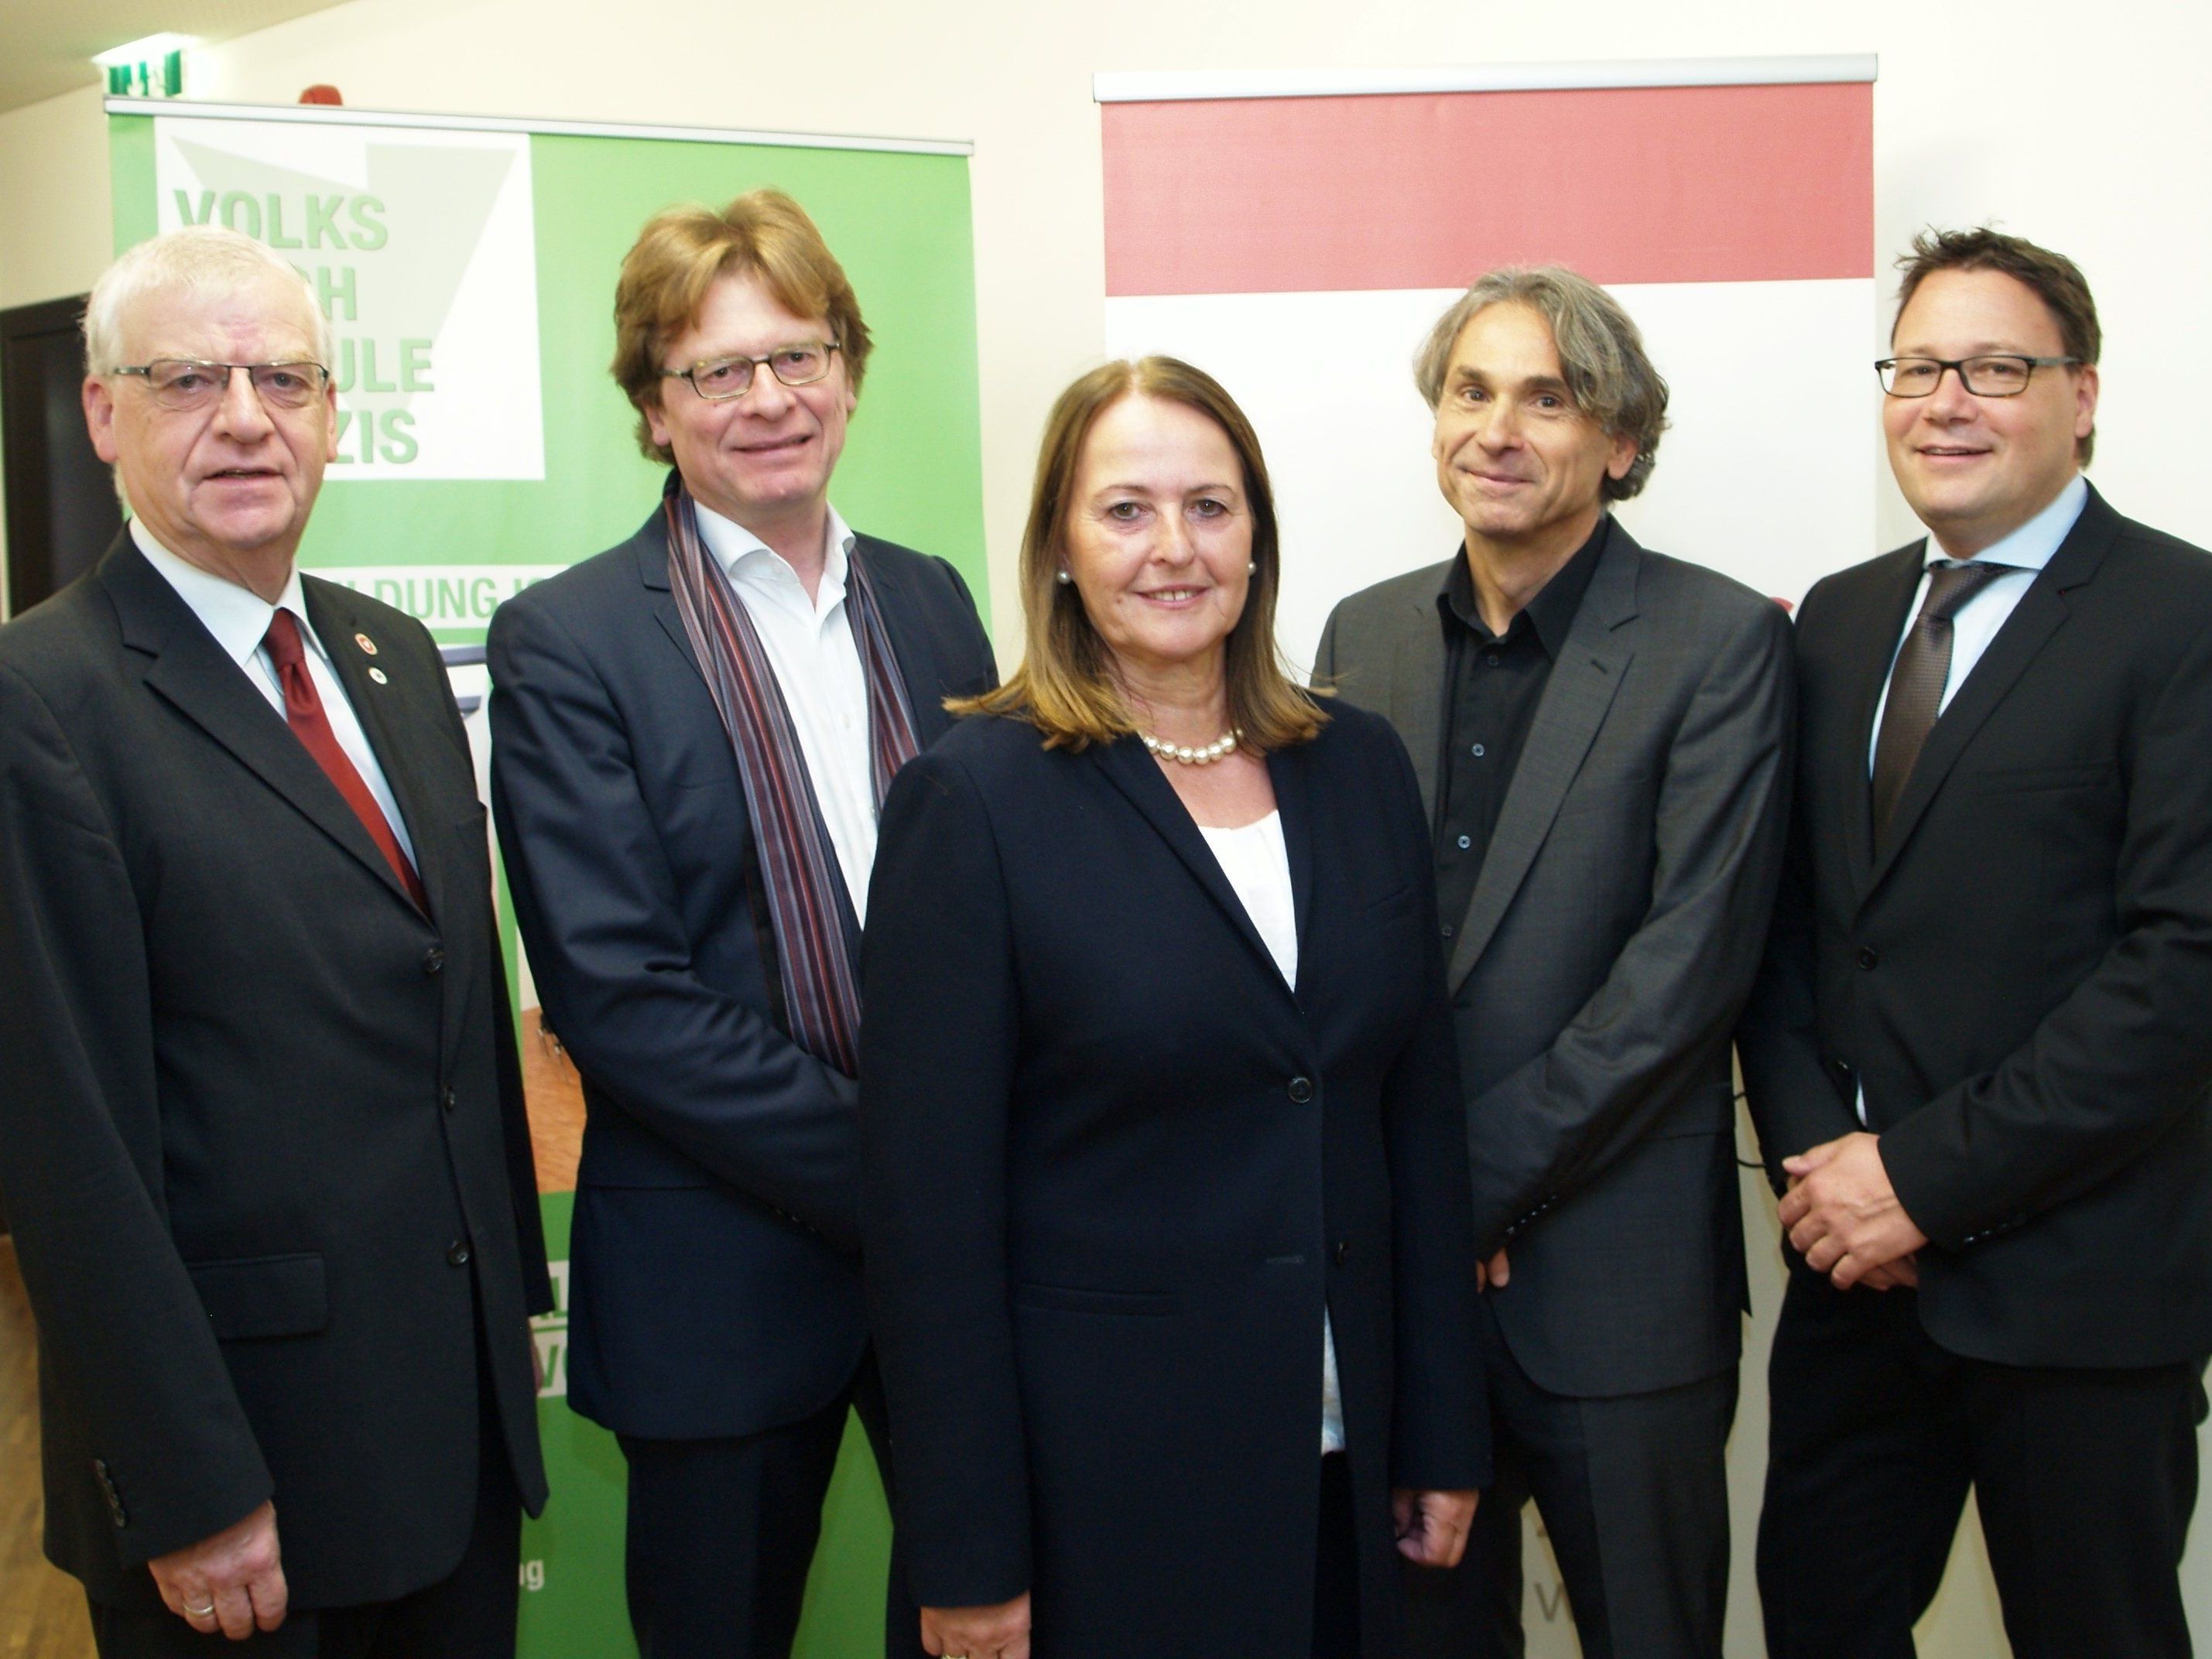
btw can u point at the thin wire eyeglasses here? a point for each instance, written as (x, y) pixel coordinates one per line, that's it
(186, 383)
(722, 379)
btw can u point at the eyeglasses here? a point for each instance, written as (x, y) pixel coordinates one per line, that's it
(724, 378)
(2000, 374)
(182, 383)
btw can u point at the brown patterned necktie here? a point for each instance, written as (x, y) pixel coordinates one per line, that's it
(1916, 685)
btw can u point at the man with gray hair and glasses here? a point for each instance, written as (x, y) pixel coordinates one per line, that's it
(261, 1126)
(1602, 736)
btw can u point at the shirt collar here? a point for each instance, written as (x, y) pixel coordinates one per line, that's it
(1551, 614)
(744, 557)
(237, 617)
(2036, 543)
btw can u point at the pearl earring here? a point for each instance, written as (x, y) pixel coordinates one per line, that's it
(1067, 580)
(1251, 566)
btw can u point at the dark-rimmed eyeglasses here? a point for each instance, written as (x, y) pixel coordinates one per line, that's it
(186, 383)
(721, 378)
(1994, 374)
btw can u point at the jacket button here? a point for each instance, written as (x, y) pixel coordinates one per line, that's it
(433, 959)
(1343, 1249)
(457, 1254)
(448, 1102)
(1868, 956)
(1301, 1089)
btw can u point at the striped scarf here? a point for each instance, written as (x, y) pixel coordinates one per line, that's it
(816, 935)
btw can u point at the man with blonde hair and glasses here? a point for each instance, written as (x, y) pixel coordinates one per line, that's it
(1601, 735)
(693, 732)
(1979, 1057)
(261, 1121)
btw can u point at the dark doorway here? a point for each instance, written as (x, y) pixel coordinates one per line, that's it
(61, 510)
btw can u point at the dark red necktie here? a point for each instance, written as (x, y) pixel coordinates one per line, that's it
(303, 708)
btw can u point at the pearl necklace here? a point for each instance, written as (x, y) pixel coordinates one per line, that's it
(1204, 755)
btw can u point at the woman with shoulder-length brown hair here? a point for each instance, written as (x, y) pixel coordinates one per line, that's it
(1166, 1189)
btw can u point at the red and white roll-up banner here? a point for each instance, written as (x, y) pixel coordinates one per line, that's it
(1296, 235)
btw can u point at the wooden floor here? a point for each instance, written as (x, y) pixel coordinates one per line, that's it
(41, 1611)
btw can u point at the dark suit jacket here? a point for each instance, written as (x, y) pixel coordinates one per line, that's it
(713, 1283)
(255, 1110)
(1114, 1166)
(2022, 982)
(1611, 939)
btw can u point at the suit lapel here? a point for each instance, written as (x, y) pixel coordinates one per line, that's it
(1131, 769)
(335, 622)
(2042, 610)
(194, 675)
(910, 645)
(652, 543)
(1880, 624)
(1576, 695)
(1417, 670)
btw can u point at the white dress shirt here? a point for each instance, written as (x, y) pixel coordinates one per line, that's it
(239, 618)
(1257, 862)
(816, 664)
(1976, 622)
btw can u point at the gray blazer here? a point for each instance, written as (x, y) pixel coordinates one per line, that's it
(1612, 938)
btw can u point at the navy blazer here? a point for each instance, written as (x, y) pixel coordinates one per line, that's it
(2020, 979)
(713, 1288)
(261, 1119)
(1116, 1168)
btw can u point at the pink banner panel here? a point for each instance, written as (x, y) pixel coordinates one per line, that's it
(1629, 185)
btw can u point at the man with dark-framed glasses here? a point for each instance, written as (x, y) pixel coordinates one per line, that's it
(1978, 1056)
(261, 1118)
(692, 734)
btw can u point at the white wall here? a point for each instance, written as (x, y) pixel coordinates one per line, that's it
(2084, 128)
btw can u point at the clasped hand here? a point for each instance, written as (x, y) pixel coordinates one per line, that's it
(1844, 1217)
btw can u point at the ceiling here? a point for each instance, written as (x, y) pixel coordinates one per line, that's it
(46, 46)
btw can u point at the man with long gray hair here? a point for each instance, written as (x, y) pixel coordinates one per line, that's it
(1602, 736)
(261, 1124)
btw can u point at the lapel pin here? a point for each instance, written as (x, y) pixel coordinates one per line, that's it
(365, 643)
(379, 677)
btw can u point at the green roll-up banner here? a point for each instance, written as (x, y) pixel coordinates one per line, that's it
(468, 265)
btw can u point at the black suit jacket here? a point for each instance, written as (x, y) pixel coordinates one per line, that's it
(1116, 1168)
(1603, 959)
(261, 1124)
(713, 1283)
(2022, 980)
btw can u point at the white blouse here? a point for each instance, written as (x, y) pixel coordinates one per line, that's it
(1258, 865)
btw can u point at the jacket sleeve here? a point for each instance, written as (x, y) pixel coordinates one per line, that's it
(1637, 1046)
(938, 1052)
(120, 1324)
(595, 897)
(1440, 1419)
(1794, 1101)
(2113, 1068)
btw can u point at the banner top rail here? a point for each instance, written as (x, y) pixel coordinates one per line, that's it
(341, 115)
(1169, 86)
